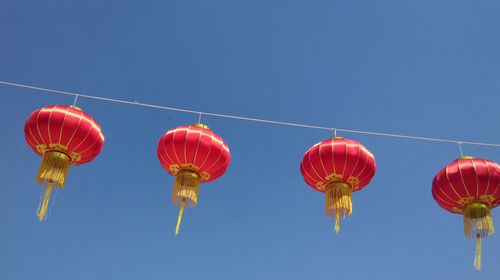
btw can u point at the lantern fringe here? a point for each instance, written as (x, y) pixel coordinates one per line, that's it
(54, 168)
(179, 218)
(338, 202)
(478, 223)
(41, 212)
(185, 192)
(477, 258)
(477, 220)
(53, 171)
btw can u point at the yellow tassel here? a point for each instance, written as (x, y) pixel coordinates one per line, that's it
(478, 223)
(477, 220)
(53, 171)
(179, 218)
(186, 188)
(337, 222)
(185, 192)
(54, 168)
(477, 258)
(338, 202)
(44, 204)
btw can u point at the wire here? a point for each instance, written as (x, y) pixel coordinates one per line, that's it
(199, 113)
(76, 98)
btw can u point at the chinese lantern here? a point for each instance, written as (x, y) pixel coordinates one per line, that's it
(193, 155)
(338, 167)
(470, 187)
(63, 136)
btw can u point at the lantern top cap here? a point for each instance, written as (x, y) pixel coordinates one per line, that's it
(75, 107)
(465, 157)
(338, 138)
(204, 126)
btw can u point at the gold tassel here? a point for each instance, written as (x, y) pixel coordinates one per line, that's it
(477, 258)
(185, 192)
(478, 223)
(338, 202)
(54, 168)
(44, 204)
(477, 220)
(53, 171)
(179, 218)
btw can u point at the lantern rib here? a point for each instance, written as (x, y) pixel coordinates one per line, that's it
(497, 188)
(356, 164)
(33, 136)
(489, 177)
(74, 134)
(462, 179)
(208, 153)
(74, 131)
(333, 156)
(477, 179)
(173, 147)
(169, 149)
(346, 158)
(243, 118)
(312, 165)
(48, 124)
(200, 133)
(165, 151)
(38, 127)
(321, 161)
(62, 125)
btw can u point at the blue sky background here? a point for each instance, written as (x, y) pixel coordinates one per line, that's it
(430, 68)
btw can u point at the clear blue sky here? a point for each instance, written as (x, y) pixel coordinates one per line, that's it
(430, 68)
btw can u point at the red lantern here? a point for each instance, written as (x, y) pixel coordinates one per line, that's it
(338, 167)
(63, 136)
(193, 154)
(470, 187)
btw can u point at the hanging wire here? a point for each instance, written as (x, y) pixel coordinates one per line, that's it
(460, 148)
(199, 113)
(199, 118)
(76, 98)
(334, 130)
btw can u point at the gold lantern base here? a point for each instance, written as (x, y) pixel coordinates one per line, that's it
(185, 192)
(477, 223)
(53, 171)
(338, 202)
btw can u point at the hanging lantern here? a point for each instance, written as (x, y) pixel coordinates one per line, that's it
(63, 136)
(470, 187)
(338, 167)
(193, 154)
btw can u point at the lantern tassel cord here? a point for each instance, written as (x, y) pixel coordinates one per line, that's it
(179, 217)
(477, 258)
(42, 208)
(337, 222)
